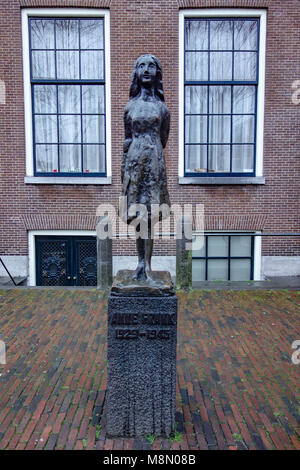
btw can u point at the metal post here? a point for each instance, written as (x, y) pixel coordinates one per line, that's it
(104, 254)
(8, 272)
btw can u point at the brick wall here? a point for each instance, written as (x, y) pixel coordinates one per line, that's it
(152, 26)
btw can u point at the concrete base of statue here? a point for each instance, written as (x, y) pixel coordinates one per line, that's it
(142, 339)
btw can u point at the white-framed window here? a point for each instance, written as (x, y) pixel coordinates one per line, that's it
(63, 259)
(226, 256)
(66, 62)
(221, 93)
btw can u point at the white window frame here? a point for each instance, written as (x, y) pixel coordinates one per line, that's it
(32, 234)
(257, 256)
(63, 12)
(228, 12)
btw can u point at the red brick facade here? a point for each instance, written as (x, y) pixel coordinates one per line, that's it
(152, 26)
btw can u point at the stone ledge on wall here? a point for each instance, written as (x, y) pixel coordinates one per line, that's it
(17, 265)
(275, 266)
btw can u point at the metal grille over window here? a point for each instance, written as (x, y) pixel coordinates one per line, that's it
(221, 79)
(66, 260)
(68, 96)
(87, 263)
(224, 258)
(52, 255)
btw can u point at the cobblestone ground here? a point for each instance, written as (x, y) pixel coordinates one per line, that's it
(237, 386)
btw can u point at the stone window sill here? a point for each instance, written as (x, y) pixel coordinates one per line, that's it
(222, 180)
(66, 180)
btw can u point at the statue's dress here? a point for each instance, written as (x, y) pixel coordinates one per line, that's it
(143, 171)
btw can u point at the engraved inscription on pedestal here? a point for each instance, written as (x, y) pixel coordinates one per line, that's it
(142, 325)
(141, 365)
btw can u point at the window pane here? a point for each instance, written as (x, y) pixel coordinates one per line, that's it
(94, 158)
(91, 34)
(219, 129)
(242, 129)
(240, 246)
(217, 246)
(46, 158)
(93, 99)
(217, 269)
(43, 64)
(67, 35)
(67, 64)
(45, 129)
(196, 129)
(244, 99)
(198, 270)
(69, 129)
(245, 35)
(240, 270)
(221, 34)
(220, 50)
(220, 66)
(93, 129)
(219, 158)
(45, 99)
(196, 158)
(69, 99)
(196, 66)
(220, 99)
(245, 65)
(198, 244)
(92, 65)
(70, 158)
(196, 35)
(64, 113)
(42, 34)
(243, 158)
(196, 99)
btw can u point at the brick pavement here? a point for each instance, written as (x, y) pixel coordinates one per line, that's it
(237, 387)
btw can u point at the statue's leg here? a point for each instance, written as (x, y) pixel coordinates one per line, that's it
(140, 273)
(144, 249)
(148, 254)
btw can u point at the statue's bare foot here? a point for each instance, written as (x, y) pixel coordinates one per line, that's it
(143, 273)
(149, 273)
(139, 274)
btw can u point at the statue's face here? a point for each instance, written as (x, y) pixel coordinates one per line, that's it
(146, 71)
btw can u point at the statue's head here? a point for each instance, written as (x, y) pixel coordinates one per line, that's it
(137, 79)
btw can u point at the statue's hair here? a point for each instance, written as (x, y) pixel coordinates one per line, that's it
(135, 88)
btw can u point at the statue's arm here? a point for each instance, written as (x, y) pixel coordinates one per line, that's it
(165, 127)
(127, 142)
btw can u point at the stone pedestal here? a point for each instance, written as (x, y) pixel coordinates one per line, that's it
(142, 337)
(104, 256)
(184, 257)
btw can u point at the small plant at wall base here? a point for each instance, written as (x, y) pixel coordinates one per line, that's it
(151, 438)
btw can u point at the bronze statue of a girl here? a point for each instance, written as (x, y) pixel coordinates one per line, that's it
(143, 171)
